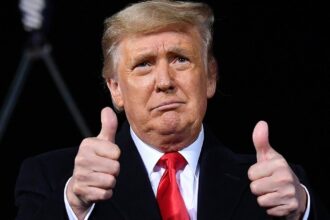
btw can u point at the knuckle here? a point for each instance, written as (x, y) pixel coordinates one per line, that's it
(261, 201)
(254, 187)
(294, 205)
(80, 177)
(251, 173)
(291, 192)
(104, 194)
(111, 181)
(79, 160)
(116, 152)
(108, 194)
(84, 143)
(116, 167)
(290, 178)
(270, 212)
(77, 190)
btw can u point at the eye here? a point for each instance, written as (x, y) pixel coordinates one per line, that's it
(181, 63)
(142, 67)
(142, 64)
(182, 59)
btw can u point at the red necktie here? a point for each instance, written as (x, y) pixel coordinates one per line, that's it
(169, 198)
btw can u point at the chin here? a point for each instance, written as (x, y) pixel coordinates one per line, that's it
(170, 125)
(171, 148)
(168, 131)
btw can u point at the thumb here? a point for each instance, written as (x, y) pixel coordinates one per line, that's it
(109, 124)
(261, 142)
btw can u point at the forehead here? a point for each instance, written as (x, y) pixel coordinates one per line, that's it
(162, 41)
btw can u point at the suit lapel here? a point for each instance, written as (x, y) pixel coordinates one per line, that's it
(222, 181)
(133, 193)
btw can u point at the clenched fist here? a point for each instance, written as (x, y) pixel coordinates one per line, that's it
(273, 182)
(96, 167)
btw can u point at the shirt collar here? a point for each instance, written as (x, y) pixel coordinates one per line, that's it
(150, 155)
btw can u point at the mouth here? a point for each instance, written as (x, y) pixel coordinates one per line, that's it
(166, 106)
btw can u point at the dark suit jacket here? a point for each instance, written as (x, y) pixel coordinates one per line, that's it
(224, 191)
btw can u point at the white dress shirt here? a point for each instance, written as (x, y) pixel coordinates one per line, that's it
(187, 178)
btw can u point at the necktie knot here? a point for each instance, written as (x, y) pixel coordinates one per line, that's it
(172, 160)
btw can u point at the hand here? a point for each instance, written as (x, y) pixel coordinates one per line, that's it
(96, 167)
(273, 182)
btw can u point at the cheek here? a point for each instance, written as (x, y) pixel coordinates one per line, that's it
(136, 92)
(197, 87)
(199, 93)
(196, 91)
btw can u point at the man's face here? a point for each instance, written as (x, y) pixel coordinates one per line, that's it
(163, 84)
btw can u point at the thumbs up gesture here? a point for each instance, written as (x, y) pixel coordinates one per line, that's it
(96, 167)
(273, 182)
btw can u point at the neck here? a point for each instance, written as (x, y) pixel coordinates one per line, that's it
(169, 142)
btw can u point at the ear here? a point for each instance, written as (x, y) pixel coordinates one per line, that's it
(212, 77)
(116, 95)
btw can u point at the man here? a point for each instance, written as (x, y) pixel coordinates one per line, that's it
(159, 68)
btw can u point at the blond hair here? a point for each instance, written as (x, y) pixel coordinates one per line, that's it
(152, 16)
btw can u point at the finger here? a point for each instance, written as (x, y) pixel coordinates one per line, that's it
(93, 194)
(263, 186)
(266, 168)
(100, 180)
(94, 179)
(261, 142)
(109, 125)
(269, 200)
(90, 148)
(105, 165)
(107, 150)
(278, 202)
(281, 210)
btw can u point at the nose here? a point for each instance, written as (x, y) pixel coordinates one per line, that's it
(164, 81)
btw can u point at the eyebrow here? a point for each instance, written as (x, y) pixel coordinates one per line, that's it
(179, 50)
(147, 53)
(144, 55)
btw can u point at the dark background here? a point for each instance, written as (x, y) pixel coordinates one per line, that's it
(273, 65)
